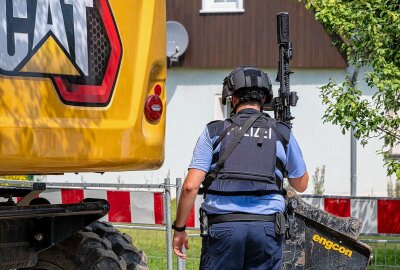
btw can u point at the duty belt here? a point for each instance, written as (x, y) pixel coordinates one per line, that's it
(235, 217)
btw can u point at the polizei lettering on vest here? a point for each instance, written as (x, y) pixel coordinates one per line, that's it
(24, 24)
(253, 132)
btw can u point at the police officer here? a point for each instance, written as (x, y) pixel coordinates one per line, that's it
(242, 161)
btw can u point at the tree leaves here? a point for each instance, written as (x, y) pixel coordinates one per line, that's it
(371, 38)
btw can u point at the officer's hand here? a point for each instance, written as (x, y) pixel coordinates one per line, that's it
(180, 240)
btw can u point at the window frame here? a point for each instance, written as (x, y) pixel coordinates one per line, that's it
(221, 112)
(209, 6)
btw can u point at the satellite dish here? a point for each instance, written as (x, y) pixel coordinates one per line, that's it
(177, 40)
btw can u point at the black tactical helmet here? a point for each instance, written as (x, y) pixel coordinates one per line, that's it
(246, 78)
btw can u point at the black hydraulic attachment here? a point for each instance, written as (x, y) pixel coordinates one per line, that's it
(320, 240)
(28, 229)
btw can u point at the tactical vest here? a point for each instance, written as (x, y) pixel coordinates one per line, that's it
(250, 168)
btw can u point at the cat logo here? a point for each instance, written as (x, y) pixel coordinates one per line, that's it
(75, 43)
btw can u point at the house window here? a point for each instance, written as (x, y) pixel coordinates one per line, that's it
(221, 112)
(222, 6)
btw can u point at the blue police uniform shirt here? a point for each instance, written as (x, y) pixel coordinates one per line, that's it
(264, 205)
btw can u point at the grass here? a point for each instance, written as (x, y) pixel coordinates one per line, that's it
(153, 245)
(385, 255)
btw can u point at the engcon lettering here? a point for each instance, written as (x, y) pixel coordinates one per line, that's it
(331, 245)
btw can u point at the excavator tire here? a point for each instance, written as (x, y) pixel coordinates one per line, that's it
(97, 247)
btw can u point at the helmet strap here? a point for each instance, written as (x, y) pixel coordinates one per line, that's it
(234, 107)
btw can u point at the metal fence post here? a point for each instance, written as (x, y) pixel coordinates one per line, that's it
(168, 223)
(181, 263)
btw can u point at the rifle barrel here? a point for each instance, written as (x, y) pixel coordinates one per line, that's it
(286, 98)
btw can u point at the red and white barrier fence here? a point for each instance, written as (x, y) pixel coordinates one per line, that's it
(379, 215)
(125, 206)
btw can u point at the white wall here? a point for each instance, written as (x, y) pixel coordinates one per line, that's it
(191, 105)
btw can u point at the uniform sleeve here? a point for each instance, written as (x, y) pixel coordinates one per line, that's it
(202, 153)
(295, 164)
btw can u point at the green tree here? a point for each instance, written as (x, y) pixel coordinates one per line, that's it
(370, 37)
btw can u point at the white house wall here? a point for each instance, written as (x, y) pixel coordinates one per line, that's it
(192, 104)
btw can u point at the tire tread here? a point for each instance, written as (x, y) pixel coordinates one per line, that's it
(96, 247)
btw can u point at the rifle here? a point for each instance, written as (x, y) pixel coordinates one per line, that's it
(286, 98)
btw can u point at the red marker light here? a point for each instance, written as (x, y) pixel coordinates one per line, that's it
(157, 89)
(153, 108)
